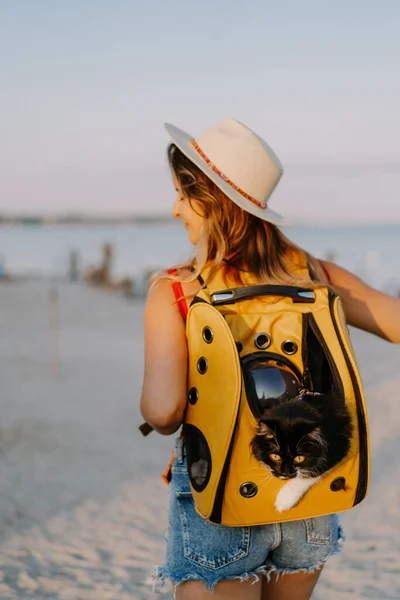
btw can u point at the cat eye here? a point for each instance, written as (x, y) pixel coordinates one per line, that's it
(299, 459)
(275, 457)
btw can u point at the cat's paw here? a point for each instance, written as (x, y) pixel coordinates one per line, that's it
(285, 500)
(292, 492)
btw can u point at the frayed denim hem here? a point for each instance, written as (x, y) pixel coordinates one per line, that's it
(336, 549)
(160, 575)
(278, 571)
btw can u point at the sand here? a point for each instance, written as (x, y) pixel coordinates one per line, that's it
(82, 507)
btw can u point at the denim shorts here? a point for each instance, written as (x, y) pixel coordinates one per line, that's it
(200, 550)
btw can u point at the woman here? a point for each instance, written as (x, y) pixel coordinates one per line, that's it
(223, 180)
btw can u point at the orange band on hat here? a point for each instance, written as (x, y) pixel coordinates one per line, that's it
(224, 177)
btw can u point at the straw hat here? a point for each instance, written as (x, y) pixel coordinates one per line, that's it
(238, 161)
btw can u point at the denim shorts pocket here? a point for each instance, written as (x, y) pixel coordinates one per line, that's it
(209, 545)
(319, 530)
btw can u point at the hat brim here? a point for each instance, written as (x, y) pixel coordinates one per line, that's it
(183, 141)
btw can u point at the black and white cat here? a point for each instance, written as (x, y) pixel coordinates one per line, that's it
(300, 440)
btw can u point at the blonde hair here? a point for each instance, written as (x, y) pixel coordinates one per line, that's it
(233, 239)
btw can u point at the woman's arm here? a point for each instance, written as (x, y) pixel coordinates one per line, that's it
(164, 391)
(365, 307)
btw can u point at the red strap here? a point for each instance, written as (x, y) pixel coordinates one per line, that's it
(178, 293)
(326, 273)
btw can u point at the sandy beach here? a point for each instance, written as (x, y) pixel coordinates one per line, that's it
(82, 506)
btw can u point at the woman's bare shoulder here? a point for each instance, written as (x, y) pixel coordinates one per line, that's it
(161, 311)
(160, 291)
(161, 294)
(340, 277)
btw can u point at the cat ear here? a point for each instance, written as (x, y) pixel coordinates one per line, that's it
(316, 435)
(264, 430)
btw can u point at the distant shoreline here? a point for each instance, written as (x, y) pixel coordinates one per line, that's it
(39, 220)
(34, 220)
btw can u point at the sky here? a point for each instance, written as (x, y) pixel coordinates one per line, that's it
(86, 85)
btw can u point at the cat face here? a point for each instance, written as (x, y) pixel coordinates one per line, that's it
(290, 447)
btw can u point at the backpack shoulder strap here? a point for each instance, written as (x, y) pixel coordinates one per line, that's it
(326, 272)
(179, 295)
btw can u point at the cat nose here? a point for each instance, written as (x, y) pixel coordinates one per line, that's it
(287, 473)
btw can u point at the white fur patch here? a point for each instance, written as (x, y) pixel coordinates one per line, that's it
(293, 491)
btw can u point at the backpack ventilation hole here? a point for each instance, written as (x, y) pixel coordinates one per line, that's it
(262, 341)
(208, 335)
(202, 365)
(289, 347)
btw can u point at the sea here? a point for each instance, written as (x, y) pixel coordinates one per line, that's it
(371, 251)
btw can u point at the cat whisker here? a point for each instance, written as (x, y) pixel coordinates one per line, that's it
(264, 483)
(311, 473)
(269, 476)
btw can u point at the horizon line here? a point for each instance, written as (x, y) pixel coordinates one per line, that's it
(76, 218)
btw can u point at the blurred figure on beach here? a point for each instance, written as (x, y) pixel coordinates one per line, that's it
(101, 276)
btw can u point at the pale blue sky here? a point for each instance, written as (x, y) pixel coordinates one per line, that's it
(87, 84)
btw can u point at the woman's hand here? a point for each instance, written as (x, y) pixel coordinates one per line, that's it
(365, 307)
(164, 393)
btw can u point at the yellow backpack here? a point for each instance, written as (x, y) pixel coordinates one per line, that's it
(232, 335)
